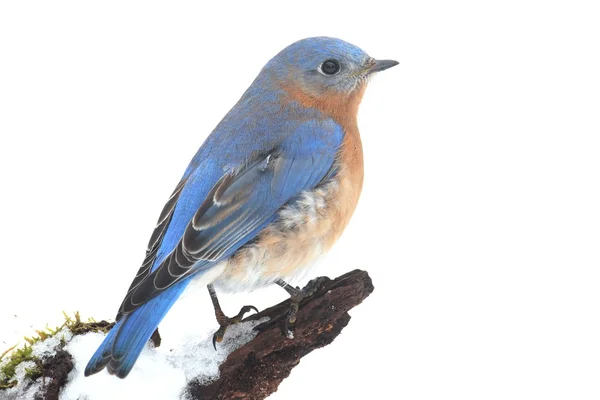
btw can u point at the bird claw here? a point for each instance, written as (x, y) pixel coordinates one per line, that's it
(225, 322)
(312, 286)
(244, 310)
(297, 296)
(218, 336)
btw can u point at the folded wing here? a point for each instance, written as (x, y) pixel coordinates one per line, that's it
(238, 206)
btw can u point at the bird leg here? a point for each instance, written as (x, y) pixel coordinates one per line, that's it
(222, 319)
(296, 297)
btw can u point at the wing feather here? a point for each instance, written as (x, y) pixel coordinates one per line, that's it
(153, 244)
(239, 205)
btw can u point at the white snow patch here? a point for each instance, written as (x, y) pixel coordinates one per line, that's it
(153, 377)
(48, 347)
(21, 391)
(198, 358)
(159, 373)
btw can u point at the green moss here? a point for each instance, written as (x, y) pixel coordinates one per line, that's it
(78, 327)
(16, 356)
(8, 370)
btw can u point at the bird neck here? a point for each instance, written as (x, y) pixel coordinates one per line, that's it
(341, 107)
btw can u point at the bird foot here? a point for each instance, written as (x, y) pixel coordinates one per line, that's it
(297, 295)
(225, 322)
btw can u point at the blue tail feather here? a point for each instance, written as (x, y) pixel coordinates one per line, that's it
(126, 340)
(102, 355)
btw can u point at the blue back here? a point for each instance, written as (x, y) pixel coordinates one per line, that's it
(243, 133)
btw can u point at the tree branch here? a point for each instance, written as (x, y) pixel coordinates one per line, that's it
(255, 370)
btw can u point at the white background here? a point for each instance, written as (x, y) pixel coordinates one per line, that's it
(479, 221)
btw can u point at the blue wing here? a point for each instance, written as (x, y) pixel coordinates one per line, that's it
(207, 219)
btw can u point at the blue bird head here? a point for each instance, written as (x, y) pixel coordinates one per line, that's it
(324, 67)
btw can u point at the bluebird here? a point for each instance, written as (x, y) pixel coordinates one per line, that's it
(270, 190)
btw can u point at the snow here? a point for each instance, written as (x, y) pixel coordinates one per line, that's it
(199, 360)
(159, 373)
(48, 347)
(21, 391)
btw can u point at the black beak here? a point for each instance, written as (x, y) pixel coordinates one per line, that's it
(380, 65)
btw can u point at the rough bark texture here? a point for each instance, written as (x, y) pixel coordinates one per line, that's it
(255, 370)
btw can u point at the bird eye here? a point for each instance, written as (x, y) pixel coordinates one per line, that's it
(329, 67)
